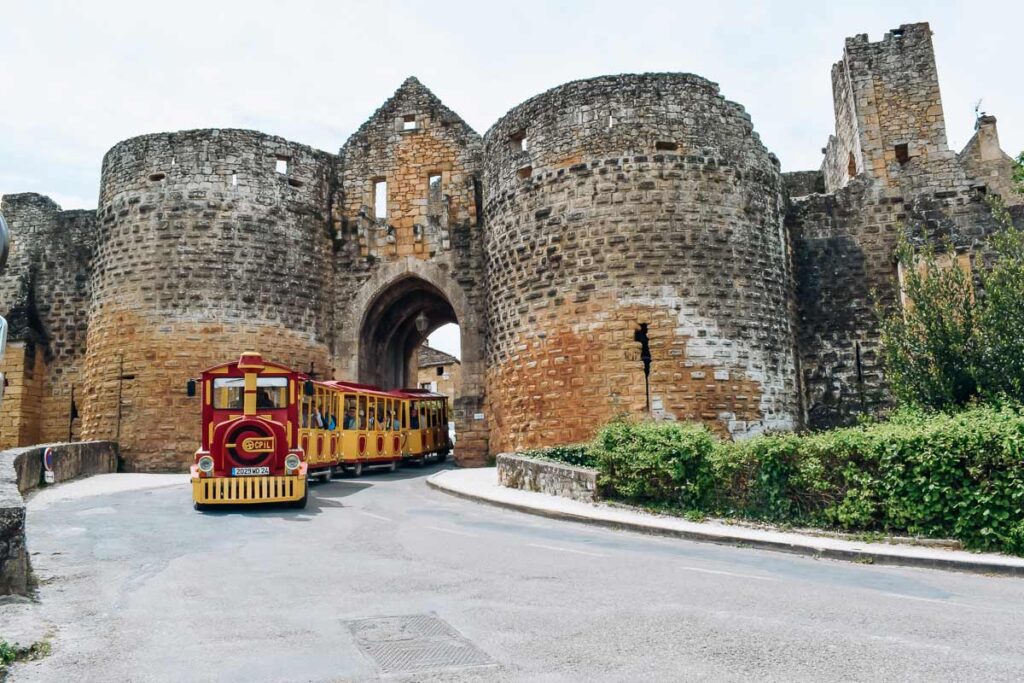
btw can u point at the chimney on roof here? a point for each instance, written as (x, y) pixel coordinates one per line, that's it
(988, 137)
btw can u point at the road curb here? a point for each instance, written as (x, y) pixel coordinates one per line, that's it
(809, 549)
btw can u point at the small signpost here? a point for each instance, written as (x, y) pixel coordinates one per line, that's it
(48, 465)
(5, 247)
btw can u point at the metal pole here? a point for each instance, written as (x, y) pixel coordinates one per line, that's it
(71, 413)
(120, 384)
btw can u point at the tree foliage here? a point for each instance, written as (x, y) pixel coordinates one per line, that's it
(950, 343)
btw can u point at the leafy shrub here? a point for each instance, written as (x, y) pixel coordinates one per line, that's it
(940, 475)
(578, 454)
(930, 345)
(657, 462)
(952, 345)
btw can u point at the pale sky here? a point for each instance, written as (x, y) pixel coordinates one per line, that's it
(78, 77)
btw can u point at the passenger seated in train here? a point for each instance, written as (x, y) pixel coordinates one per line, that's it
(414, 418)
(350, 419)
(264, 400)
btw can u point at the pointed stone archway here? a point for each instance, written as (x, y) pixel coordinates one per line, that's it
(392, 314)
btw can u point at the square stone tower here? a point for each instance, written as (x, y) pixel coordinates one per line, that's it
(888, 108)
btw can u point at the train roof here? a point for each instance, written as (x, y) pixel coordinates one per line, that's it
(356, 387)
(247, 361)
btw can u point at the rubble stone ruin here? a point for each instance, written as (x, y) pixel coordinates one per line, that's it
(617, 245)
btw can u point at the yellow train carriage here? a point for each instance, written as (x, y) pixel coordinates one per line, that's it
(428, 416)
(345, 427)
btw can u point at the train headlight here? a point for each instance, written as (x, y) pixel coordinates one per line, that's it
(292, 462)
(205, 464)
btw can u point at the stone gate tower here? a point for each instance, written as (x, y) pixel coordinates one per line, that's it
(627, 217)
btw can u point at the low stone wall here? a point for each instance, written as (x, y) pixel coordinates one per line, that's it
(544, 476)
(21, 470)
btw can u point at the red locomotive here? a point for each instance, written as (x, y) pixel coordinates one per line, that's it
(250, 449)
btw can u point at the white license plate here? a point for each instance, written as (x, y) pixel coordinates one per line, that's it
(249, 471)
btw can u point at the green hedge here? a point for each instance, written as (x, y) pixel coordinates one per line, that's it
(938, 475)
(578, 454)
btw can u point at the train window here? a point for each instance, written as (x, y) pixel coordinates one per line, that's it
(401, 410)
(350, 412)
(371, 413)
(362, 412)
(380, 414)
(228, 393)
(271, 393)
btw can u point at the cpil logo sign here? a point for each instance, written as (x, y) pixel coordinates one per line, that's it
(48, 465)
(261, 445)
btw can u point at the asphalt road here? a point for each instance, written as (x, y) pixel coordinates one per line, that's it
(141, 588)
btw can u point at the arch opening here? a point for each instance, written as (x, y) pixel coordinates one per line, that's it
(394, 328)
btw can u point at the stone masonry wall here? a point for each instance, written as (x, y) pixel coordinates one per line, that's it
(21, 470)
(211, 242)
(984, 159)
(635, 201)
(44, 293)
(557, 479)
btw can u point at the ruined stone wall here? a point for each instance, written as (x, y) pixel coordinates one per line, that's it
(844, 146)
(206, 247)
(982, 158)
(634, 201)
(410, 139)
(886, 94)
(44, 293)
(844, 248)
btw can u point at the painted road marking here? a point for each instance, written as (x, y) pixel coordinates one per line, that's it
(564, 550)
(951, 603)
(452, 531)
(370, 514)
(723, 573)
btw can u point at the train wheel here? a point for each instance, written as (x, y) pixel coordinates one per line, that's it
(300, 504)
(357, 470)
(393, 467)
(442, 456)
(199, 507)
(327, 475)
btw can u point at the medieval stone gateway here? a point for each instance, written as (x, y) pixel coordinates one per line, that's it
(617, 245)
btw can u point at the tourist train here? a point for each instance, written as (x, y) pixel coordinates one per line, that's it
(267, 429)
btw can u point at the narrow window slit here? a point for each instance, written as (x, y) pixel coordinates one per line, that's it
(902, 153)
(517, 141)
(380, 199)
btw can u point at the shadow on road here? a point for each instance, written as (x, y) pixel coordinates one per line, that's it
(323, 495)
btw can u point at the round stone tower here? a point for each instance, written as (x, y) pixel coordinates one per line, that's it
(636, 263)
(211, 242)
